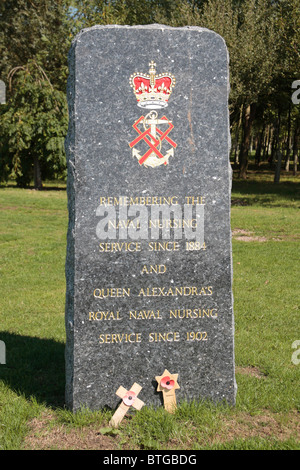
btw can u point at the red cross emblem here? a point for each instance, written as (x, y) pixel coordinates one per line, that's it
(153, 136)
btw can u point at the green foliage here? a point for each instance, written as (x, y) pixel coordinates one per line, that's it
(34, 42)
(262, 37)
(34, 125)
(131, 12)
(263, 41)
(35, 30)
(288, 31)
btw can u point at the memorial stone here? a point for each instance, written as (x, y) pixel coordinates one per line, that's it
(149, 264)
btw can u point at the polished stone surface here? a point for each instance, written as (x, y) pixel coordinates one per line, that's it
(155, 304)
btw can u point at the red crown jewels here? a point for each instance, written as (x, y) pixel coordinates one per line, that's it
(152, 91)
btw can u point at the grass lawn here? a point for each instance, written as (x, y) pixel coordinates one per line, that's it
(266, 236)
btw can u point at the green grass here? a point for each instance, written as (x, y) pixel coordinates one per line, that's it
(266, 234)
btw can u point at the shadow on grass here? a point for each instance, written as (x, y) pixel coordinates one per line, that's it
(34, 367)
(265, 192)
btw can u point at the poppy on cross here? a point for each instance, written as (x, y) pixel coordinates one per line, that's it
(167, 384)
(129, 399)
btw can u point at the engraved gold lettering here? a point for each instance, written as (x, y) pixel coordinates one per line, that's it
(124, 224)
(120, 338)
(99, 316)
(144, 315)
(157, 269)
(164, 246)
(138, 200)
(191, 200)
(175, 223)
(196, 336)
(182, 291)
(194, 313)
(164, 337)
(119, 246)
(111, 292)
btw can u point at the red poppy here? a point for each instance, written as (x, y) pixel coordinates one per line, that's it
(167, 383)
(129, 398)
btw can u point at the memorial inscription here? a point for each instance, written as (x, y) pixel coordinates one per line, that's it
(148, 268)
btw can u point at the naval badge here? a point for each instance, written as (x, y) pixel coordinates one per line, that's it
(152, 92)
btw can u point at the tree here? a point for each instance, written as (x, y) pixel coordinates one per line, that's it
(286, 72)
(34, 126)
(35, 30)
(131, 12)
(34, 42)
(248, 29)
(262, 37)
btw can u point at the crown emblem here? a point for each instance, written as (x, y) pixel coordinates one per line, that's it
(152, 90)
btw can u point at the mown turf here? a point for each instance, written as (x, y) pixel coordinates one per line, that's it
(266, 234)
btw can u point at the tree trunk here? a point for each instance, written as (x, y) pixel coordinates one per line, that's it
(278, 153)
(273, 149)
(259, 146)
(278, 167)
(249, 112)
(266, 137)
(275, 143)
(268, 142)
(288, 142)
(236, 145)
(37, 174)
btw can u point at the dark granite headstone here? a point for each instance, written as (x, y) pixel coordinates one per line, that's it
(148, 269)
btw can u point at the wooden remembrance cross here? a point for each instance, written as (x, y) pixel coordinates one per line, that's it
(129, 398)
(167, 384)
